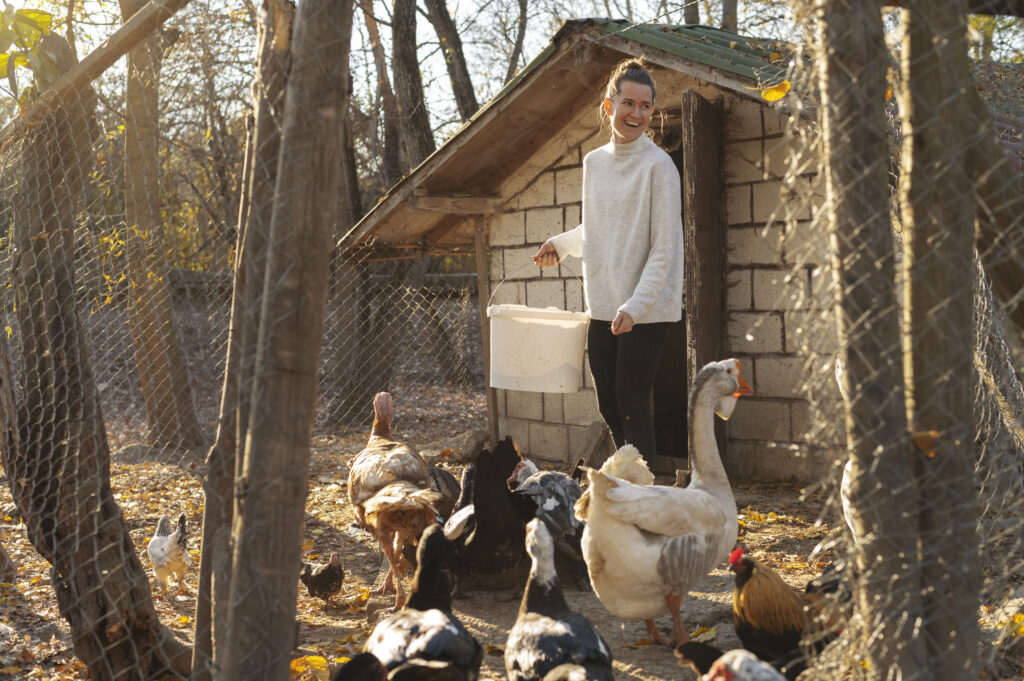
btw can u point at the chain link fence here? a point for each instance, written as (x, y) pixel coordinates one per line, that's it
(116, 331)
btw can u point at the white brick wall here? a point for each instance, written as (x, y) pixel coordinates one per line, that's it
(757, 419)
(744, 121)
(738, 292)
(545, 293)
(507, 229)
(540, 193)
(549, 442)
(781, 289)
(543, 223)
(569, 185)
(743, 162)
(738, 205)
(780, 377)
(754, 334)
(754, 245)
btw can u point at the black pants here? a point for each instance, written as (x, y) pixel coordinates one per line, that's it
(624, 368)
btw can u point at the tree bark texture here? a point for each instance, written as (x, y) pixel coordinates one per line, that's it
(271, 492)
(165, 383)
(517, 48)
(729, 20)
(939, 210)
(416, 130)
(223, 461)
(852, 59)
(390, 147)
(58, 460)
(454, 58)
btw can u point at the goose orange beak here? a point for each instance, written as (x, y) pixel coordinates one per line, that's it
(744, 388)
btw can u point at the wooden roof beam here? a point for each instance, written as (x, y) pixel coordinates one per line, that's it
(422, 202)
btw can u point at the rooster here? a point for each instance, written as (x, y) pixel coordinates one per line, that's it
(770, 617)
(168, 552)
(323, 581)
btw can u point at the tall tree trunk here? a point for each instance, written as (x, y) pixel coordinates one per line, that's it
(729, 21)
(852, 59)
(389, 152)
(517, 48)
(221, 149)
(454, 58)
(58, 460)
(938, 210)
(255, 208)
(691, 12)
(417, 133)
(165, 383)
(269, 512)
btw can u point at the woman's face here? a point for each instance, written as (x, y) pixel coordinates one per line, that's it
(630, 111)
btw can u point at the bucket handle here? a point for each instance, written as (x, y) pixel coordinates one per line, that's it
(513, 271)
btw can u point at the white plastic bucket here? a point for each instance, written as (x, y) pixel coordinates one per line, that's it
(539, 349)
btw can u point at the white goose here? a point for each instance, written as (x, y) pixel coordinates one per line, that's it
(646, 546)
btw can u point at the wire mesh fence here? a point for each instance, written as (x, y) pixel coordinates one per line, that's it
(911, 348)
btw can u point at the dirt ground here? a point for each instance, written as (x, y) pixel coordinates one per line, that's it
(778, 526)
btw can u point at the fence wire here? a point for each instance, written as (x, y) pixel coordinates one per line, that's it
(116, 329)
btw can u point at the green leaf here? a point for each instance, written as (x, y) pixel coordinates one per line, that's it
(12, 79)
(6, 38)
(4, 59)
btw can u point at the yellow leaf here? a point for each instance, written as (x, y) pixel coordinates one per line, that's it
(35, 580)
(314, 664)
(796, 566)
(775, 92)
(705, 634)
(775, 56)
(307, 545)
(184, 619)
(340, 660)
(495, 650)
(642, 643)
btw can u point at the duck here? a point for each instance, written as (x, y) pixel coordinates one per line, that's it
(646, 546)
(551, 496)
(425, 640)
(547, 634)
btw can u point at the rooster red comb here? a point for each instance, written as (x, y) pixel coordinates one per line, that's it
(735, 556)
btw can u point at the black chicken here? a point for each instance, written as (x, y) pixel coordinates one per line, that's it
(488, 537)
(323, 581)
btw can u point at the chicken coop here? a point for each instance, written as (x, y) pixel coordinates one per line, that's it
(511, 177)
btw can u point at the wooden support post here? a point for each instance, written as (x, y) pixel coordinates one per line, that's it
(704, 234)
(483, 282)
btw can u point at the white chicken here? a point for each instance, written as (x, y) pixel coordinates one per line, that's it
(168, 552)
(646, 546)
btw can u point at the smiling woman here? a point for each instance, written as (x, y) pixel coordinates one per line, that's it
(631, 243)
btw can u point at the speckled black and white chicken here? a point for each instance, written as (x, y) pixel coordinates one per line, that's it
(168, 552)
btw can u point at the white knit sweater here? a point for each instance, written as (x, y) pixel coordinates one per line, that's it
(631, 237)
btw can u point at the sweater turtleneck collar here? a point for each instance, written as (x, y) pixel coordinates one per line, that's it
(630, 148)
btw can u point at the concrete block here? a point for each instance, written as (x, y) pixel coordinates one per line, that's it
(549, 442)
(751, 246)
(507, 229)
(546, 293)
(780, 377)
(776, 122)
(781, 289)
(574, 295)
(580, 408)
(799, 198)
(744, 122)
(525, 405)
(811, 332)
(508, 293)
(598, 139)
(517, 429)
(738, 293)
(568, 185)
(540, 193)
(783, 155)
(519, 263)
(570, 158)
(751, 333)
(743, 162)
(822, 286)
(553, 411)
(572, 216)
(497, 266)
(758, 461)
(757, 419)
(805, 242)
(738, 205)
(542, 224)
(767, 202)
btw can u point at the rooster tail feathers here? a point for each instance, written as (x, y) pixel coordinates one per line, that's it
(182, 540)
